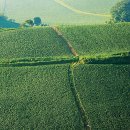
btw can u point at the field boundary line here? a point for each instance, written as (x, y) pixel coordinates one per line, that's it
(73, 51)
(77, 99)
(39, 63)
(62, 3)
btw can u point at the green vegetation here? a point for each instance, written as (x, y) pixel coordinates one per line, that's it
(33, 42)
(37, 21)
(105, 92)
(37, 98)
(7, 23)
(44, 86)
(95, 40)
(37, 61)
(121, 11)
(6, 29)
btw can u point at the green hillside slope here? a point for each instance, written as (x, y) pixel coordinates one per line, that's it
(54, 13)
(33, 42)
(37, 98)
(104, 91)
(98, 39)
(43, 86)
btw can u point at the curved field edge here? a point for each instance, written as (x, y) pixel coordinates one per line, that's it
(75, 10)
(104, 92)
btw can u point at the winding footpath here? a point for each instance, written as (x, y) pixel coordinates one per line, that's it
(62, 3)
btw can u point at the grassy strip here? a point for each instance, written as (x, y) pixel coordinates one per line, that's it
(77, 99)
(120, 58)
(37, 61)
(6, 29)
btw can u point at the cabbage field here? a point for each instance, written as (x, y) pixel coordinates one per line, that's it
(36, 42)
(98, 39)
(105, 94)
(37, 98)
(44, 86)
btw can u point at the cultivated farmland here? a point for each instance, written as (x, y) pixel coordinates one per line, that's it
(104, 91)
(37, 98)
(98, 39)
(36, 42)
(43, 86)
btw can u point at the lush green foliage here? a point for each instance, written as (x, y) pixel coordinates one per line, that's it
(98, 39)
(7, 23)
(37, 21)
(33, 42)
(121, 11)
(105, 93)
(37, 98)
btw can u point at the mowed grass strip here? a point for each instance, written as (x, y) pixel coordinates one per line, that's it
(37, 98)
(32, 42)
(105, 93)
(91, 40)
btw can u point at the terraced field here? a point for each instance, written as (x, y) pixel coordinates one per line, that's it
(104, 91)
(99, 39)
(36, 42)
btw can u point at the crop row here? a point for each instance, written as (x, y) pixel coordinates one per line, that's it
(104, 92)
(37, 98)
(98, 39)
(33, 42)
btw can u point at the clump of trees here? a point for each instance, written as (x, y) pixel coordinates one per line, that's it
(35, 22)
(121, 12)
(5, 22)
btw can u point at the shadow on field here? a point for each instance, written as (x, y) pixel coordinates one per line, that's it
(111, 60)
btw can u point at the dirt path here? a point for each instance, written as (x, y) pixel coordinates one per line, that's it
(68, 43)
(78, 101)
(62, 3)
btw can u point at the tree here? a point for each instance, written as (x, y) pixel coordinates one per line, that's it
(2, 17)
(37, 21)
(121, 11)
(29, 22)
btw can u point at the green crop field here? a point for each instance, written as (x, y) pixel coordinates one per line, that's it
(98, 39)
(104, 91)
(35, 42)
(37, 98)
(45, 85)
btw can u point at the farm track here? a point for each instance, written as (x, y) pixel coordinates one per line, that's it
(77, 99)
(62, 3)
(73, 51)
